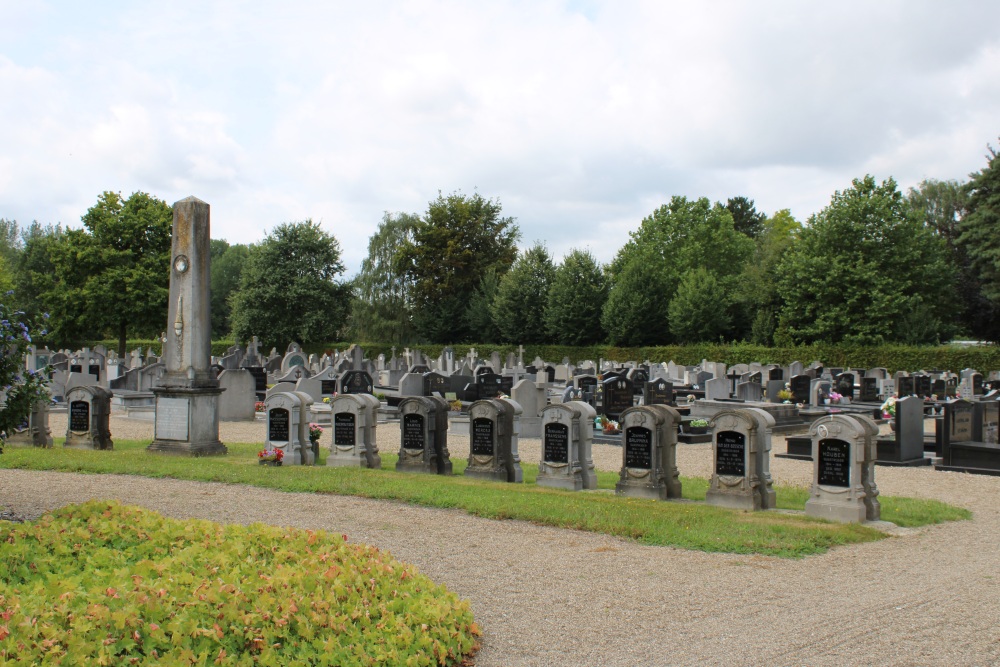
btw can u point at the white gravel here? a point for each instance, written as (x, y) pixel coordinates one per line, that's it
(547, 596)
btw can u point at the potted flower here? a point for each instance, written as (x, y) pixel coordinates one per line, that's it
(315, 431)
(785, 396)
(270, 457)
(609, 426)
(889, 412)
(697, 426)
(835, 397)
(259, 407)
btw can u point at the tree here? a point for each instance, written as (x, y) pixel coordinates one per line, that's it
(35, 272)
(678, 236)
(383, 310)
(746, 218)
(479, 314)
(288, 290)
(457, 241)
(698, 311)
(522, 296)
(576, 298)
(863, 271)
(227, 268)
(980, 238)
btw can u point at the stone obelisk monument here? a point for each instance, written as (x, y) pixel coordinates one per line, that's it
(187, 404)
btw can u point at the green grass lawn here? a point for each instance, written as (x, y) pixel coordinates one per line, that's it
(678, 524)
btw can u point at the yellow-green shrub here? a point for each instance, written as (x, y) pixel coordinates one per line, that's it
(105, 584)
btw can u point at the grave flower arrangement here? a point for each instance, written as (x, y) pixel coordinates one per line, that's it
(835, 397)
(607, 426)
(274, 454)
(259, 406)
(315, 431)
(785, 395)
(889, 408)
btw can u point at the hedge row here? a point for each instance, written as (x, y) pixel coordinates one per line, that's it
(894, 357)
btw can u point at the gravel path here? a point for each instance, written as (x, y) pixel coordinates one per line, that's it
(547, 596)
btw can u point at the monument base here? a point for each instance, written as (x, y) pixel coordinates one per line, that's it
(187, 421)
(565, 482)
(888, 453)
(734, 500)
(496, 473)
(853, 511)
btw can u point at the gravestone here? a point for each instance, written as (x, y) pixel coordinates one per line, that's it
(905, 445)
(259, 374)
(843, 487)
(35, 432)
(986, 415)
(435, 384)
(354, 419)
(411, 384)
(187, 402)
(491, 450)
(531, 399)
(905, 386)
(423, 430)
(799, 385)
(87, 423)
(658, 392)
(356, 382)
(741, 477)
(716, 389)
(869, 390)
(617, 393)
(649, 453)
(750, 391)
(239, 395)
(844, 384)
(567, 436)
(488, 384)
(283, 417)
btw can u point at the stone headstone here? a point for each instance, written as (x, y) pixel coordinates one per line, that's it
(35, 432)
(353, 421)
(649, 453)
(490, 442)
(799, 385)
(87, 424)
(843, 487)
(741, 478)
(283, 419)
(567, 436)
(423, 426)
(715, 389)
(239, 395)
(617, 395)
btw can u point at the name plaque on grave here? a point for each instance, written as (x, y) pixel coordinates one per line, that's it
(557, 443)
(343, 429)
(328, 387)
(961, 423)
(172, 419)
(991, 422)
(75, 368)
(834, 463)
(95, 371)
(639, 448)
(277, 425)
(413, 432)
(730, 454)
(482, 436)
(79, 416)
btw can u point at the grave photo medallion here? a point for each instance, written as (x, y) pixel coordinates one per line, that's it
(557, 443)
(834, 463)
(639, 448)
(79, 416)
(730, 454)
(277, 425)
(343, 429)
(482, 436)
(413, 432)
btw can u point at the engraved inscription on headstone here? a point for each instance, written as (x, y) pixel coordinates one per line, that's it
(639, 448)
(79, 416)
(556, 443)
(991, 422)
(277, 425)
(961, 423)
(834, 463)
(482, 436)
(730, 454)
(343, 429)
(413, 431)
(172, 419)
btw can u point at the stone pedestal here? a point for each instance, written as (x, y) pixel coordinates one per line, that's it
(187, 421)
(741, 477)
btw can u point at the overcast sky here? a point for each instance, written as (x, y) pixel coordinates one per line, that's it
(580, 116)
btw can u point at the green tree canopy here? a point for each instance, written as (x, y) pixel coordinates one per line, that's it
(479, 314)
(864, 271)
(458, 240)
(746, 218)
(677, 237)
(522, 297)
(576, 299)
(757, 289)
(699, 309)
(980, 238)
(289, 289)
(227, 267)
(383, 309)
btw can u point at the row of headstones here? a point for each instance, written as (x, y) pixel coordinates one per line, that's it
(87, 425)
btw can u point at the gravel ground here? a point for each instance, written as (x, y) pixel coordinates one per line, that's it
(547, 596)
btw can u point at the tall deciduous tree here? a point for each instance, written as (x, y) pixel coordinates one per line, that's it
(227, 267)
(383, 309)
(864, 271)
(479, 313)
(980, 236)
(35, 272)
(289, 289)
(757, 289)
(677, 237)
(699, 309)
(522, 297)
(458, 240)
(576, 298)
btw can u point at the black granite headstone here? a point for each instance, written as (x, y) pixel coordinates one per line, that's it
(259, 374)
(905, 386)
(343, 429)
(328, 387)
(556, 443)
(834, 463)
(435, 383)
(869, 390)
(799, 386)
(730, 453)
(922, 385)
(356, 382)
(658, 392)
(617, 396)
(638, 448)
(277, 425)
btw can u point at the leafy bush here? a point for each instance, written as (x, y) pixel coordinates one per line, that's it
(105, 584)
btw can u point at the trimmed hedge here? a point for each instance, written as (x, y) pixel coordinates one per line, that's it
(105, 584)
(894, 357)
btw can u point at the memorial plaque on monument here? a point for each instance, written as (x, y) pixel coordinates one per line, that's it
(328, 387)
(905, 386)
(75, 368)
(413, 431)
(834, 463)
(638, 448)
(79, 416)
(556, 443)
(172, 419)
(343, 429)
(991, 422)
(482, 436)
(277, 425)
(617, 397)
(960, 426)
(94, 370)
(730, 453)
(356, 382)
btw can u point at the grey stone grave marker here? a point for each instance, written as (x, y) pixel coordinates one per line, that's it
(741, 478)
(566, 446)
(353, 443)
(649, 453)
(423, 428)
(87, 424)
(843, 487)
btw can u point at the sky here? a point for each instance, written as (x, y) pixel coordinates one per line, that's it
(580, 116)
